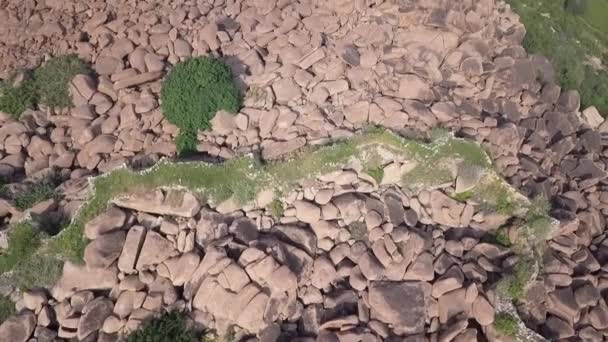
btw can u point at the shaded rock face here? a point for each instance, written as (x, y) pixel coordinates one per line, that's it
(400, 304)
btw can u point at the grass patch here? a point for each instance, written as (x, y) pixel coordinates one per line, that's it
(169, 327)
(48, 85)
(568, 40)
(500, 237)
(36, 270)
(506, 324)
(377, 173)
(463, 196)
(23, 240)
(193, 92)
(7, 308)
(14, 100)
(437, 160)
(37, 193)
(53, 78)
(513, 285)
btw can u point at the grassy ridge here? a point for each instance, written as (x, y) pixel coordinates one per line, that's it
(243, 178)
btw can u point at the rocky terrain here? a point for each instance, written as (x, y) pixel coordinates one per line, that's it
(419, 267)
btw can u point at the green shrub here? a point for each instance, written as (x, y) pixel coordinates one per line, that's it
(513, 286)
(7, 308)
(48, 85)
(38, 192)
(276, 208)
(377, 173)
(53, 78)
(15, 100)
(23, 240)
(193, 92)
(577, 7)
(170, 327)
(505, 324)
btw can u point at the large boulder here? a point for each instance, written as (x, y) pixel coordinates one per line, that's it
(106, 222)
(75, 278)
(18, 328)
(174, 203)
(401, 304)
(155, 250)
(103, 251)
(94, 314)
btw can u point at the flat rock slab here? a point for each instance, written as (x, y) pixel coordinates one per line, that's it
(400, 304)
(174, 202)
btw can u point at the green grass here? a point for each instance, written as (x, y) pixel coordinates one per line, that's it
(499, 237)
(595, 14)
(15, 100)
(36, 270)
(37, 193)
(276, 208)
(23, 240)
(568, 40)
(463, 196)
(53, 78)
(506, 324)
(7, 308)
(437, 159)
(169, 327)
(48, 85)
(377, 173)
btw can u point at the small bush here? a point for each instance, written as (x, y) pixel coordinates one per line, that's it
(38, 192)
(23, 240)
(463, 196)
(513, 285)
(505, 324)
(276, 208)
(15, 100)
(53, 78)
(170, 327)
(577, 7)
(46, 85)
(377, 173)
(193, 92)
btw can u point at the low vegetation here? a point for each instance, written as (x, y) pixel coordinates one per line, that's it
(36, 193)
(276, 208)
(377, 173)
(358, 231)
(506, 324)
(169, 327)
(193, 92)
(38, 269)
(47, 85)
(23, 240)
(571, 34)
(7, 308)
(513, 285)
